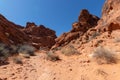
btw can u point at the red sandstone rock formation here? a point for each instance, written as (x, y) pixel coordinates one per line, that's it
(85, 22)
(110, 19)
(10, 33)
(89, 26)
(38, 36)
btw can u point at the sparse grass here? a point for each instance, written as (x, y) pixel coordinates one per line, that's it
(69, 50)
(51, 56)
(103, 55)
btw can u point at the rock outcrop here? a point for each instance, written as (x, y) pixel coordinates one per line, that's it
(38, 36)
(110, 19)
(90, 26)
(10, 33)
(85, 22)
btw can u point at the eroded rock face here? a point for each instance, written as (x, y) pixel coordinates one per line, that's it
(85, 22)
(10, 33)
(38, 36)
(110, 19)
(109, 22)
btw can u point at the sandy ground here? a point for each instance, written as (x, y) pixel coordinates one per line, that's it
(75, 67)
(70, 68)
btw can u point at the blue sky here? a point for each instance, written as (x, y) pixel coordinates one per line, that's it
(55, 14)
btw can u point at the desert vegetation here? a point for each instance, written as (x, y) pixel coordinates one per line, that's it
(52, 56)
(69, 50)
(10, 50)
(103, 55)
(26, 49)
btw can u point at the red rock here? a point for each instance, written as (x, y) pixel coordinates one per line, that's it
(110, 19)
(10, 33)
(38, 36)
(85, 22)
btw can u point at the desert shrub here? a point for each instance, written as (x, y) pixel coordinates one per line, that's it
(69, 50)
(103, 55)
(17, 60)
(26, 49)
(13, 49)
(8, 50)
(51, 56)
(4, 50)
(4, 53)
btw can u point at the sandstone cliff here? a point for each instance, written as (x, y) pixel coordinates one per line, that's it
(38, 36)
(79, 28)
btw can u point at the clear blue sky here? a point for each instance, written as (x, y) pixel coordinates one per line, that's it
(55, 14)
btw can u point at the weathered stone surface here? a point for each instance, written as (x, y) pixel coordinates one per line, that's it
(85, 22)
(110, 19)
(38, 36)
(10, 33)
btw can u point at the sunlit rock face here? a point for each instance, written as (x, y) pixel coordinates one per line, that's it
(110, 19)
(84, 23)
